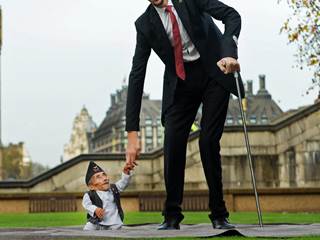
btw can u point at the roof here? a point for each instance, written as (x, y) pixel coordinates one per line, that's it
(115, 116)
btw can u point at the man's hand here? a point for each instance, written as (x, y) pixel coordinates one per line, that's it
(133, 148)
(99, 212)
(127, 168)
(228, 65)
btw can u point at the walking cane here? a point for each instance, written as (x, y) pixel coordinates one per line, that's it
(253, 178)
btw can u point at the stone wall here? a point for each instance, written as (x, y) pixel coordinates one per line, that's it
(271, 200)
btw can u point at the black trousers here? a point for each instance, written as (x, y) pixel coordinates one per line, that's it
(197, 88)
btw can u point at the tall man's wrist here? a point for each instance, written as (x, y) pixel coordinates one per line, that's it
(133, 148)
(132, 134)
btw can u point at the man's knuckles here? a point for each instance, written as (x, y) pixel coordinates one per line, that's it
(131, 151)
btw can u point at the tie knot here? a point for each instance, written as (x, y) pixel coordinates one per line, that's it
(169, 8)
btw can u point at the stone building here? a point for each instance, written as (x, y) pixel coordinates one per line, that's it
(82, 130)
(111, 135)
(286, 154)
(260, 109)
(14, 162)
(286, 159)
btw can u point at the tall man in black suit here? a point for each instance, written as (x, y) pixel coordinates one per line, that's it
(199, 62)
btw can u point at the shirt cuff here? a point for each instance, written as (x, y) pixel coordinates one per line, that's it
(126, 176)
(91, 210)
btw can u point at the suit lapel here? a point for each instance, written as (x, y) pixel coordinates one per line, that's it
(181, 9)
(158, 29)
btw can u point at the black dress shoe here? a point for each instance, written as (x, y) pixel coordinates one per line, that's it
(169, 225)
(222, 223)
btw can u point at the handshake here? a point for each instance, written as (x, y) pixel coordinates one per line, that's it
(128, 167)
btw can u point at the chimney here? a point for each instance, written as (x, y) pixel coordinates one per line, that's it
(118, 96)
(262, 81)
(113, 99)
(249, 88)
(262, 88)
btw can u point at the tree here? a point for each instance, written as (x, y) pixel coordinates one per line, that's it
(303, 29)
(37, 168)
(13, 166)
(12, 159)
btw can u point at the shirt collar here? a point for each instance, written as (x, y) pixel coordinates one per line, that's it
(159, 9)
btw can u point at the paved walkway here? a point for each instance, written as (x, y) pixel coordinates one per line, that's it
(149, 231)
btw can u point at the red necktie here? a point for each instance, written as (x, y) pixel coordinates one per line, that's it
(177, 45)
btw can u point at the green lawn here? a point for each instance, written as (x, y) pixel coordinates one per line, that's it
(78, 218)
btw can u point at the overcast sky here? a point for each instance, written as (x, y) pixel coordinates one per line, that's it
(59, 55)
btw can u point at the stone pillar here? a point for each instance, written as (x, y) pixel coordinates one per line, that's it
(283, 171)
(300, 167)
(154, 136)
(226, 169)
(143, 138)
(291, 157)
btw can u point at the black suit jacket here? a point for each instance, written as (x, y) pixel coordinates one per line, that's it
(212, 45)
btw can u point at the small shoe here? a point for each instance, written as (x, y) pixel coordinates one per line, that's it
(222, 223)
(169, 225)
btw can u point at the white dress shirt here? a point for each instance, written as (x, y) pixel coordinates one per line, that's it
(190, 53)
(111, 217)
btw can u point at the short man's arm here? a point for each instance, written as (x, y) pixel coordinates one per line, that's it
(134, 97)
(232, 21)
(88, 206)
(124, 181)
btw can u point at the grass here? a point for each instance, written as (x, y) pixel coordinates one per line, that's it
(217, 238)
(213, 238)
(78, 218)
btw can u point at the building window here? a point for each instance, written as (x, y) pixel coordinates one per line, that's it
(149, 131)
(158, 121)
(264, 119)
(148, 121)
(229, 120)
(253, 119)
(315, 156)
(149, 145)
(159, 132)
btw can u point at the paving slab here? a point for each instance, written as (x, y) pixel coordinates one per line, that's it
(150, 231)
